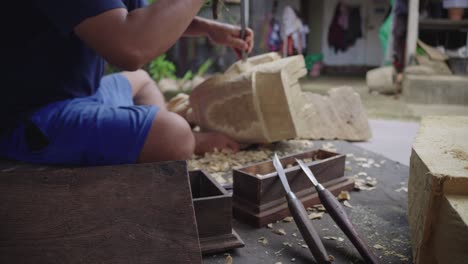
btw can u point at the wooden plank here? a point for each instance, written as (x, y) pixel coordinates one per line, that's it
(118, 214)
(443, 24)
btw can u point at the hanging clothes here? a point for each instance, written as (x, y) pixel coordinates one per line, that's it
(293, 33)
(345, 28)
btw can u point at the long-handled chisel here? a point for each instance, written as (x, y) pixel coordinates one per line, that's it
(301, 218)
(340, 217)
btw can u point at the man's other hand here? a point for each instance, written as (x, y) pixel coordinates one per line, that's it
(229, 35)
(209, 141)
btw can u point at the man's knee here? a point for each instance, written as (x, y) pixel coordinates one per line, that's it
(170, 138)
(138, 79)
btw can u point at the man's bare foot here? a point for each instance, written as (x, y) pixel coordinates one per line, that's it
(209, 141)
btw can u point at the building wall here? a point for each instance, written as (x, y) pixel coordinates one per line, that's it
(367, 50)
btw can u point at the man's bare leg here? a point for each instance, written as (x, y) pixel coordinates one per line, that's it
(145, 90)
(170, 136)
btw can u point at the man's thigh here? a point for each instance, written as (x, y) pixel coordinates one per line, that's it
(83, 132)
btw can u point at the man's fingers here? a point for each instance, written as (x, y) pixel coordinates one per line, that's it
(235, 31)
(250, 39)
(238, 43)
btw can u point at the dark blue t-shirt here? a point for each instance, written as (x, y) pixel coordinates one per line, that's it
(45, 61)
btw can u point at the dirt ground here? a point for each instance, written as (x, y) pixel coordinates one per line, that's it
(381, 106)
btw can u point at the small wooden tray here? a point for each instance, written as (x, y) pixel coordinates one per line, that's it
(259, 197)
(213, 211)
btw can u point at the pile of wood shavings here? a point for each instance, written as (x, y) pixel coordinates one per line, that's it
(220, 163)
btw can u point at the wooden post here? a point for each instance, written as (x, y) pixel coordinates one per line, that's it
(412, 30)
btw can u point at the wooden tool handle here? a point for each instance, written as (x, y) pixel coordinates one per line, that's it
(338, 214)
(308, 232)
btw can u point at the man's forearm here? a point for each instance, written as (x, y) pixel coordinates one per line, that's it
(162, 23)
(198, 27)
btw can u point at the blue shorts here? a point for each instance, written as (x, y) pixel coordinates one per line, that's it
(103, 129)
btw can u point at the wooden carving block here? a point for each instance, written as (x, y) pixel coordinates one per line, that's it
(261, 101)
(118, 214)
(438, 191)
(213, 211)
(259, 196)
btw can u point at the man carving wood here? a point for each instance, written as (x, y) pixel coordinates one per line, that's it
(57, 107)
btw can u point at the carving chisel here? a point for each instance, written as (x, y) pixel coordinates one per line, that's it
(244, 24)
(340, 217)
(301, 218)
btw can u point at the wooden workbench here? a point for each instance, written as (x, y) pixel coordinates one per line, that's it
(380, 215)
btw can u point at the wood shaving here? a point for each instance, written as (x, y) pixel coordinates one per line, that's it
(330, 238)
(404, 189)
(304, 246)
(329, 147)
(320, 207)
(288, 219)
(228, 259)
(279, 252)
(344, 196)
(377, 246)
(280, 231)
(263, 241)
(294, 234)
(347, 168)
(377, 165)
(331, 258)
(340, 239)
(361, 185)
(314, 215)
(270, 225)
(372, 182)
(364, 174)
(293, 260)
(347, 204)
(287, 244)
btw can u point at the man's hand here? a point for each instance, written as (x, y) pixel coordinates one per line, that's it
(209, 141)
(229, 35)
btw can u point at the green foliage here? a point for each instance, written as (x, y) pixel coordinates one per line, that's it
(187, 76)
(204, 67)
(161, 68)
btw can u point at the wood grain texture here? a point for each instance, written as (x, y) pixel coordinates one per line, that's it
(438, 174)
(121, 214)
(261, 101)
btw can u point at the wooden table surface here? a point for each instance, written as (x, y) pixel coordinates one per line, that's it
(380, 215)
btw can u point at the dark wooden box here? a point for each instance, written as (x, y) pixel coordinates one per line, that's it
(259, 197)
(213, 211)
